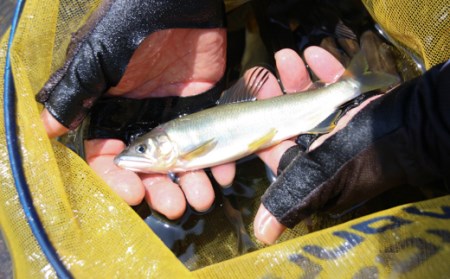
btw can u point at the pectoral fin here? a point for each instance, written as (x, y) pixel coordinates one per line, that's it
(257, 144)
(200, 150)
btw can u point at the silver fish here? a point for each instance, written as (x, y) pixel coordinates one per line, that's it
(231, 131)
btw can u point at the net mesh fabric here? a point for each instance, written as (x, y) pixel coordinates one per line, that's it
(94, 232)
(421, 26)
(87, 223)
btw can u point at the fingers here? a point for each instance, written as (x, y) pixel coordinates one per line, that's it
(51, 125)
(327, 68)
(163, 195)
(295, 78)
(224, 174)
(198, 189)
(272, 155)
(169, 198)
(266, 227)
(293, 73)
(101, 147)
(159, 191)
(127, 184)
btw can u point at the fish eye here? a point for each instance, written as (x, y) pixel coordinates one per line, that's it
(141, 148)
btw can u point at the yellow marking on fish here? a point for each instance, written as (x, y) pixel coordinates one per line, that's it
(200, 150)
(327, 125)
(255, 145)
(321, 130)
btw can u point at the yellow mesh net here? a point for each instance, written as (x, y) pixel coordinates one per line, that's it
(421, 26)
(97, 235)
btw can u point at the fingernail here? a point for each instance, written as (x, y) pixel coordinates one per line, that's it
(267, 229)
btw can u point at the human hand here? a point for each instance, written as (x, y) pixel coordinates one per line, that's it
(165, 196)
(390, 140)
(270, 88)
(101, 50)
(167, 75)
(109, 54)
(295, 78)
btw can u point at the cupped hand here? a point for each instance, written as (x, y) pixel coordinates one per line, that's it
(179, 62)
(387, 141)
(172, 62)
(170, 77)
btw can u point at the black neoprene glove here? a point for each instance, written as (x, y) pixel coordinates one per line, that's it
(401, 138)
(101, 50)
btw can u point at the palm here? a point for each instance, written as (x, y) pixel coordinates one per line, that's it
(178, 62)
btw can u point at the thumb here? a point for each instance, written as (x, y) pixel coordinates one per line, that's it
(266, 227)
(51, 125)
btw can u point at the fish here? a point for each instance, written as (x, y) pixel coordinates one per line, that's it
(240, 125)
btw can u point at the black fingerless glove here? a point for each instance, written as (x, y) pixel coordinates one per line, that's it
(101, 50)
(401, 138)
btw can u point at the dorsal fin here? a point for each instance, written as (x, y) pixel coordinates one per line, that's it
(245, 92)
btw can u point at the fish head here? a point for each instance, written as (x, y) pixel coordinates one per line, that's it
(153, 152)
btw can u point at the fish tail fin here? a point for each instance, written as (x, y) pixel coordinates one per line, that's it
(359, 69)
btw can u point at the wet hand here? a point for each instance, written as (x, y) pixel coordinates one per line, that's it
(120, 46)
(390, 140)
(267, 228)
(294, 77)
(173, 70)
(164, 65)
(160, 192)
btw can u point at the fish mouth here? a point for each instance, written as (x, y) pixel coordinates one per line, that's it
(133, 163)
